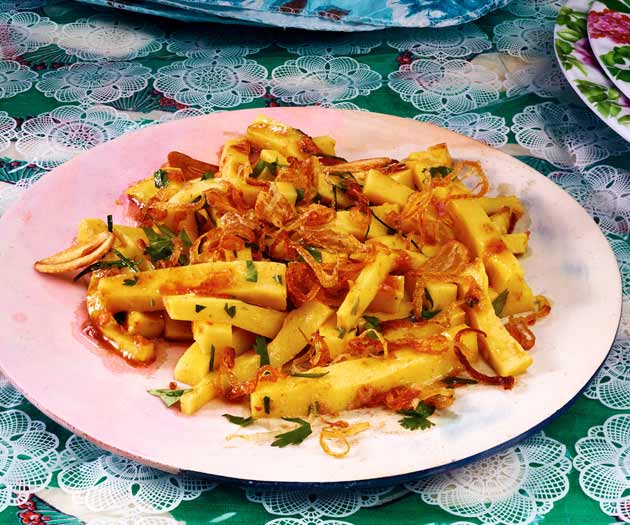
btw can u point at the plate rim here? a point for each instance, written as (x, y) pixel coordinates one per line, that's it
(346, 484)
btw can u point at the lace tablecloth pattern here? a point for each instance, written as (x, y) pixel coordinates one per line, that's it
(72, 77)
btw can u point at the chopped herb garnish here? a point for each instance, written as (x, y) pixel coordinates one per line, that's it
(367, 231)
(271, 166)
(110, 223)
(341, 332)
(417, 418)
(160, 178)
(295, 436)
(251, 274)
(230, 310)
(199, 307)
(372, 323)
(311, 376)
(300, 195)
(499, 302)
(260, 347)
(429, 314)
(212, 352)
(439, 171)
(371, 333)
(152, 302)
(207, 175)
(160, 246)
(131, 282)
(238, 420)
(278, 278)
(185, 239)
(169, 397)
(428, 298)
(315, 253)
(390, 230)
(196, 199)
(121, 262)
(267, 404)
(454, 381)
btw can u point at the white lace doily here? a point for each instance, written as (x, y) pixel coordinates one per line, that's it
(15, 78)
(102, 482)
(566, 136)
(603, 191)
(338, 44)
(542, 77)
(23, 32)
(7, 130)
(449, 42)
(451, 86)
(110, 37)
(524, 38)
(302, 508)
(50, 139)
(535, 8)
(224, 81)
(484, 127)
(28, 457)
(513, 487)
(603, 461)
(313, 80)
(187, 41)
(94, 83)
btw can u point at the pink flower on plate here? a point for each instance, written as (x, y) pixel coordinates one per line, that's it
(611, 24)
(585, 53)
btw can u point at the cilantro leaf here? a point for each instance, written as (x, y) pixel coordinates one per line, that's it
(110, 223)
(429, 314)
(278, 278)
(230, 310)
(121, 262)
(160, 178)
(169, 397)
(251, 274)
(261, 165)
(499, 302)
(300, 194)
(454, 381)
(316, 375)
(131, 282)
(124, 261)
(372, 323)
(199, 307)
(238, 420)
(212, 352)
(267, 404)
(160, 246)
(439, 171)
(417, 418)
(260, 347)
(315, 253)
(207, 175)
(295, 436)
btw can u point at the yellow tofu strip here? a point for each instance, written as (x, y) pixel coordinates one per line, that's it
(208, 278)
(364, 290)
(337, 390)
(381, 189)
(499, 348)
(192, 366)
(268, 133)
(344, 222)
(474, 228)
(297, 329)
(252, 318)
(146, 324)
(389, 295)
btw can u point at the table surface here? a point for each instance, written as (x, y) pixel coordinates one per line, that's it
(72, 77)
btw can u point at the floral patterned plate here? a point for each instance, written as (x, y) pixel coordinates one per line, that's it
(609, 36)
(99, 396)
(582, 70)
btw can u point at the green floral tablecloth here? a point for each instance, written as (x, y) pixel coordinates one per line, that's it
(72, 77)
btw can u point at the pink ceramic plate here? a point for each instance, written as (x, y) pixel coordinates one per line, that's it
(100, 397)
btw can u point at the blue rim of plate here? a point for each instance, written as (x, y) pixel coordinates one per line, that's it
(401, 479)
